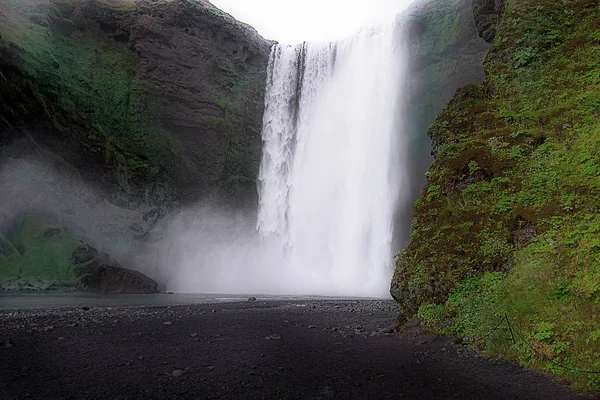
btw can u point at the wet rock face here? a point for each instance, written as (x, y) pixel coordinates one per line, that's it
(41, 255)
(173, 100)
(102, 278)
(211, 73)
(487, 15)
(445, 53)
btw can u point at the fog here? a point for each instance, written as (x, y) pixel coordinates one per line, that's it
(215, 251)
(311, 20)
(49, 187)
(336, 198)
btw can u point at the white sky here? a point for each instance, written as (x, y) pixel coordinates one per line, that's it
(292, 21)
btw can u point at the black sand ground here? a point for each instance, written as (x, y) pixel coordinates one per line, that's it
(252, 350)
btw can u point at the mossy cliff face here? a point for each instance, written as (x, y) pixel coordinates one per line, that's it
(509, 219)
(445, 53)
(41, 255)
(154, 99)
(488, 14)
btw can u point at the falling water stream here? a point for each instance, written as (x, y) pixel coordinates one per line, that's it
(330, 180)
(329, 176)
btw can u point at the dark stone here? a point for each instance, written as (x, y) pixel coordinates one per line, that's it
(51, 232)
(252, 299)
(488, 14)
(84, 254)
(103, 278)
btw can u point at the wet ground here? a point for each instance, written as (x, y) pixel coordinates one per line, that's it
(54, 300)
(225, 347)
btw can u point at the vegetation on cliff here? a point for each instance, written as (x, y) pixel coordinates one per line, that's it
(145, 105)
(444, 53)
(41, 255)
(163, 96)
(509, 222)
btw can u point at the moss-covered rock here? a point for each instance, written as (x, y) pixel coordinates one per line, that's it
(44, 249)
(42, 255)
(7, 249)
(156, 99)
(35, 230)
(445, 53)
(508, 221)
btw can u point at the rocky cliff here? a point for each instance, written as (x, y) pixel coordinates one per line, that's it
(113, 112)
(160, 100)
(506, 228)
(445, 53)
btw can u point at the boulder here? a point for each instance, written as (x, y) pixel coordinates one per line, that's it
(98, 273)
(104, 278)
(50, 258)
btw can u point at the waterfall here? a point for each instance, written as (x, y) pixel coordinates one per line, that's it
(330, 178)
(331, 172)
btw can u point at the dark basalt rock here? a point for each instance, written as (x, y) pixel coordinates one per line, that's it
(186, 113)
(84, 254)
(98, 273)
(488, 14)
(103, 278)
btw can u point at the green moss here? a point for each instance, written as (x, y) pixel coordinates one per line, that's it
(90, 81)
(33, 230)
(510, 217)
(46, 256)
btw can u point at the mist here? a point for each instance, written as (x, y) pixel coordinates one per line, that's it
(43, 184)
(217, 251)
(293, 22)
(333, 197)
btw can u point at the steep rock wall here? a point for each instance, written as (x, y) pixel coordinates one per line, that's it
(114, 112)
(488, 14)
(153, 100)
(445, 53)
(506, 227)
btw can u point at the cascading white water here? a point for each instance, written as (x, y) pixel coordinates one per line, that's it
(328, 184)
(329, 179)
